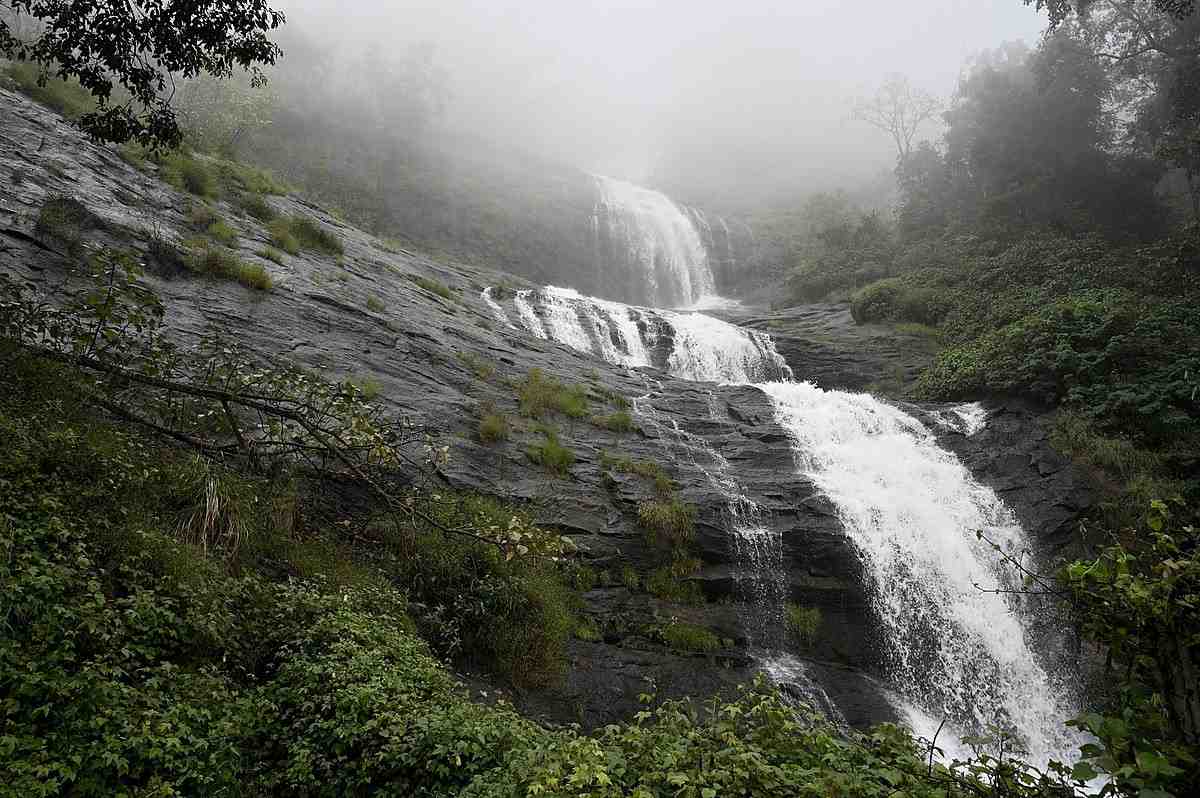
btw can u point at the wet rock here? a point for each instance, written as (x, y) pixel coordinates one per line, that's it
(361, 316)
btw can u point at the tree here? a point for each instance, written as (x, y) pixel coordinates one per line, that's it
(219, 114)
(129, 54)
(898, 109)
(1060, 10)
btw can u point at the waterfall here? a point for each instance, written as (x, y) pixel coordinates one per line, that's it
(912, 510)
(688, 345)
(651, 243)
(909, 508)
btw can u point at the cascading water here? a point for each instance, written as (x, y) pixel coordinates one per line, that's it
(910, 509)
(688, 345)
(652, 242)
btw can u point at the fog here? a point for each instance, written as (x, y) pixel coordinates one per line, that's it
(706, 98)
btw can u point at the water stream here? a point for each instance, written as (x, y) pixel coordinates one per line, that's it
(909, 508)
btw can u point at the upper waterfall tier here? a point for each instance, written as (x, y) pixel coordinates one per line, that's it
(646, 241)
(688, 345)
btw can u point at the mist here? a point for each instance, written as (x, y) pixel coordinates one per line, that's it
(711, 100)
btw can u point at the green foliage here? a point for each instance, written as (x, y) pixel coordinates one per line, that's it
(494, 427)
(369, 387)
(122, 55)
(507, 613)
(189, 173)
(375, 304)
(1142, 603)
(311, 235)
(755, 745)
(66, 97)
(222, 233)
(282, 237)
(668, 522)
(1124, 363)
(551, 454)
(587, 630)
(667, 584)
(685, 636)
(538, 395)
(434, 287)
(897, 300)
(359, 706)
(619, 421)
(480, 367)
(648, 469)
(206, 258)
(629, 577)
(256, 206)
(294, 233)
(64, 220)
(803, 623)
(271, 254)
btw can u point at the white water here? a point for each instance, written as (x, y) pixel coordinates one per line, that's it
(699, 348)
(710, 350)
(494, 306)
(525, 311)
(910, 509)
(660, 240)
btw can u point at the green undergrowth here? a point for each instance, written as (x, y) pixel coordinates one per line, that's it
(803, 623)
(684, 636)
(66, 97)
(494, 427)
(295, 233)
(434, 287)
(207, 257)
(539, 395)
(551, 454)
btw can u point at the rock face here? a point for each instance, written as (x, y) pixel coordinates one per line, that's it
(823, 344)
(440, 360)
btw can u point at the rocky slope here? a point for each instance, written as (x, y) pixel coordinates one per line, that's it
(440, 360)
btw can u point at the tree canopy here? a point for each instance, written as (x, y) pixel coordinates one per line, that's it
(129, 55)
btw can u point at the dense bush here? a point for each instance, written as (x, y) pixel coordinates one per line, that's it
(538, 395)
(1125, 362)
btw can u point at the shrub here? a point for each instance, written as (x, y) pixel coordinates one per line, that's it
(368, 386)
(271, 254)
(312, 235)
(204, 257)
(375, 304)
(668, 522)
(65, 220)
(66, 97)
(686, 636)
(897, 299)
(665, 584)
(629, 577)
(433, 287)
(803, 623)
(481, 368)
(511, 616)
(293, 233)
(1129, 365)
(243, 179)
(221, 232)
(586, 629)
(188, 173)
(538, 394)
(494, 427)
(552, 455)
(620, 421)
(282, 236)
(256, 206)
